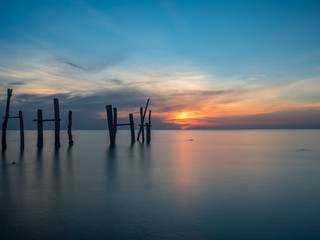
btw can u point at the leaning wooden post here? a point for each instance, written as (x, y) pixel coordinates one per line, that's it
(115, 122)
(56, 123)
(149, 128)
(141, 124)
(21, 131)
(132, 128)
(40, 129)
(110, 123)
(5, 122)
(69, 128)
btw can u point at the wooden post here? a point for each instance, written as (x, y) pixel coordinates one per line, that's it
(141, 124)
(21, 131)
(110, 123)
(40, 129)
(132, 128)
(5, 122)
(148, 132)
(141, 127)
(149, 128)
(115, 122)
(69, 128)
(56, 123)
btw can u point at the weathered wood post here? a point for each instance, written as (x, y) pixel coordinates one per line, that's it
(56, 123)
(5, 122)
(40, 129)
(115, 122)
(110, 123)
(21, 131)
(141, 124)
(69, 128)
(148, 125)
(133, 139)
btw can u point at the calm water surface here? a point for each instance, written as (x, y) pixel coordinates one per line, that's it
(184, 185)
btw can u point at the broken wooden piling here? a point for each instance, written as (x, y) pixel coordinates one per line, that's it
(21, 131)
(39, 129)
(115, 122)
(141, 125)
(56, 123)
(110, 123)
(133, 139)
(148, 126)
(5, 122)
(69, 128)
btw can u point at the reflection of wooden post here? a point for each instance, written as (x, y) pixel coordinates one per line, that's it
(40, 129)
(21, 131)
(132, 128)
(141, 124)
(148, 125)
(110, 123)
(5, 122)
(56, 123)
(69, 128)
(115, 122)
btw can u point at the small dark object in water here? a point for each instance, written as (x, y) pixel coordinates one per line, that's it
(13, 163)
(190, 139)
(303, 149)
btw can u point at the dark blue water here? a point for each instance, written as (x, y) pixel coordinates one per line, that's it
(184, 185)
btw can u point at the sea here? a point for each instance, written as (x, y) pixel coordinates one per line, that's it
(184, 184)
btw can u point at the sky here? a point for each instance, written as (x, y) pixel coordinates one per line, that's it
(204, 64)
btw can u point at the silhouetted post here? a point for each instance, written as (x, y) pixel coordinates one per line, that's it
(56, 123)
(21, 131)
(40, 129)
(132, 128)
(141, 124)
(69, 128)
(110, 123)
(141, 127)
(115, 122)
(148, 125)
(5, 122)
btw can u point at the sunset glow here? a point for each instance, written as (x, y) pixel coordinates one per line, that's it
(196, 68)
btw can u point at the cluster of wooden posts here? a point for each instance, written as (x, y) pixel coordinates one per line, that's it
(111, 119)
(39, 121)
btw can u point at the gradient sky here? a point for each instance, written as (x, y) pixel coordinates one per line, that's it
(204, 64)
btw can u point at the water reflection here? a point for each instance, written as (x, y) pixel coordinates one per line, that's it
(172, 188)
(56, 173)
(112, 161)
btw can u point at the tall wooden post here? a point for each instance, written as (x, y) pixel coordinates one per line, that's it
(5, 122)
(21, 131)
(110, 123)
(141, 124)
(40, 129)
(149, 128)
(132, 128)
(115, 122)
(56, 123)
(69, 128)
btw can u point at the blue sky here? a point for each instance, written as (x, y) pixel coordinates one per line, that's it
(205, 64)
